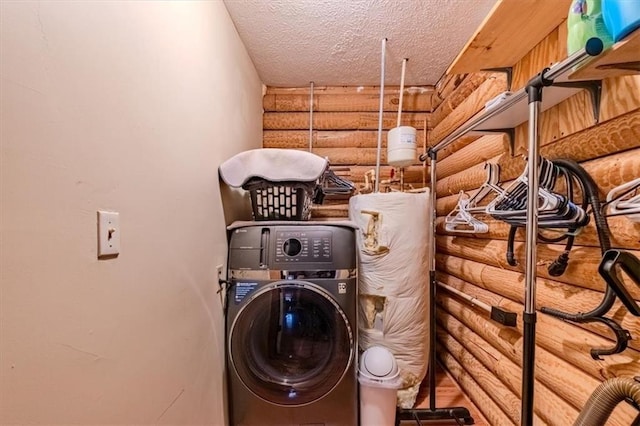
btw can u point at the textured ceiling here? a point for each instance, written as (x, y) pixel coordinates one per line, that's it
(338, 42)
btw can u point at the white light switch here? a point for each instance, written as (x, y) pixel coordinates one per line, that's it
(108, 233)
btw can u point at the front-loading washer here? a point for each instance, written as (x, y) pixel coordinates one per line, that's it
(291, 324)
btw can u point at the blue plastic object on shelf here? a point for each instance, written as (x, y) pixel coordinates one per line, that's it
(585, 21)
(621, 17)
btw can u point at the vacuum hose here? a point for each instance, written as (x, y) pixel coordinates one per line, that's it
(602, 228)
(605, 398)
(590, 192)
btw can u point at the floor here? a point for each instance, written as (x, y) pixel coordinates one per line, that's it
(448, 394)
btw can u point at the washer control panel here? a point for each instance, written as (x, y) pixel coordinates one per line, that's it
(300, 246)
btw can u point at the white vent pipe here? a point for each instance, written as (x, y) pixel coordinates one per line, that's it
(377, 177)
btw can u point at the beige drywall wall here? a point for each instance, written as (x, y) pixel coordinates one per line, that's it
(124, 106)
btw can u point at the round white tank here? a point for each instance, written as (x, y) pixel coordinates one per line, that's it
(401, 146)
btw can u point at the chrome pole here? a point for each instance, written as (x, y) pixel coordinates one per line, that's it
(384, 48)
(529, 314)
(311, 117)
(432, 287)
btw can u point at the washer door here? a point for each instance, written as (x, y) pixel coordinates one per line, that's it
(291, 344)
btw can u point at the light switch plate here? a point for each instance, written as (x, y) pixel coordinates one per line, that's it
(108, 234)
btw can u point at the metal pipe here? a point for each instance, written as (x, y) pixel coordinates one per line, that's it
(432, 286)
(534, 92)
(432, 246)
(496, 312)
(593, 47)
(404, 68)
(466, 297)
(532, 207)
(384, 48)
(424, 148)
(311, 118)
(478, 120)
(529, 315)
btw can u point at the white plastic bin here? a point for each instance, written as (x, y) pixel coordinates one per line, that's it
(379, 379)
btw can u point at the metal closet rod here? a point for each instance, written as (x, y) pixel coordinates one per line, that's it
(593, 47)
(497, 313)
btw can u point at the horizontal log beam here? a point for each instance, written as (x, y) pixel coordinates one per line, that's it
(330, 211)
(608, 172)
(340, 120)
(344, 90)
(474, 391)
(608, 153)
(467, 180)
(501, 395)
(547, 404)
(493, 86)
(446, 86)
(614, 136)
(624, 233)
(330, 139)
(412, 174)
(549, 293)
(482, 150)
(347, 102)
(555, 367)
(456, 145)
(563, 339)
(581, 271)
(355, 156)
(458, 95)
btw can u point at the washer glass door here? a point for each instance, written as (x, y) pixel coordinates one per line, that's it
(291, 344)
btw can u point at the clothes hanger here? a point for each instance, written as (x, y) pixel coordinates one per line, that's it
(491, 185)
(555, 210)
(461, 219)
(618, 203)
(511, 205)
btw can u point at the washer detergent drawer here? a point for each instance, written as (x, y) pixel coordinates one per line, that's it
(290, 343)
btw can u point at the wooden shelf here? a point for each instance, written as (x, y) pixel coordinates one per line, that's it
(512, 28)
(623, 52)
(514, 110)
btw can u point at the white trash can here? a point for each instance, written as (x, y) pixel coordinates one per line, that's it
(379, 379)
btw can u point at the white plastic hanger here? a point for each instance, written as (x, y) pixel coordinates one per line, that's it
(461, 218)
(625, 200)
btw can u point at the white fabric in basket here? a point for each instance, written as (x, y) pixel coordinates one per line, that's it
(272, 164)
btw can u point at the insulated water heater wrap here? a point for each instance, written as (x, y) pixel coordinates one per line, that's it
(393, 248)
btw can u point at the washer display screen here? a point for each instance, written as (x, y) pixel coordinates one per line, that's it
(291, 344)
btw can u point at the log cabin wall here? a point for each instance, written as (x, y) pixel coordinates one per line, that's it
(483, 356)
(476, 350)
(345, 129)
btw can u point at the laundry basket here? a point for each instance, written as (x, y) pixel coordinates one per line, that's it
(280, 200)
(280, 182)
